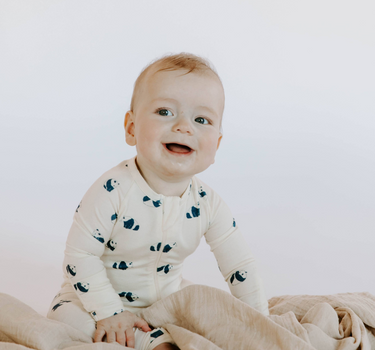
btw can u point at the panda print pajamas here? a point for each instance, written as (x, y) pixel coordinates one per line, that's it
(127, 244)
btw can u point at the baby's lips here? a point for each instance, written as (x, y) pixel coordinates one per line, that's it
(178, 148)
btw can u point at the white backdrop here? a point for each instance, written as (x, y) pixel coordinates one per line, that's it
(297, 161)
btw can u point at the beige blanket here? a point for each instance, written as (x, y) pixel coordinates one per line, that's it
(205, 318)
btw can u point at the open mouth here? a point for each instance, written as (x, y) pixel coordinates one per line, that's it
(177, 148)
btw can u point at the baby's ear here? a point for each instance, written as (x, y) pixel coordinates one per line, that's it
(218, 144)
(219, 140)
(129, 128)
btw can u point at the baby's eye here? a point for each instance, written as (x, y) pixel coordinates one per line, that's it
(164, 112)
(202, 120)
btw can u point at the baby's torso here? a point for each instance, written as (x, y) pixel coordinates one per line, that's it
(150, 240)
(151, 236)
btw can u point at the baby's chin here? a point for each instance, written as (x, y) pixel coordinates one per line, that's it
(181, 169)
(175, 168)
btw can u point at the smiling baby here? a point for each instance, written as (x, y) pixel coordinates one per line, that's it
(139, 221)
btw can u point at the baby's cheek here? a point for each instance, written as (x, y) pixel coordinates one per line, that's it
(212, 146)
(145, 145)
(210, 152)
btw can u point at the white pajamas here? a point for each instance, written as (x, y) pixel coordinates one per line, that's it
(127, 245)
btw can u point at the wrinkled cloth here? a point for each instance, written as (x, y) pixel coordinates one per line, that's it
(206, 318)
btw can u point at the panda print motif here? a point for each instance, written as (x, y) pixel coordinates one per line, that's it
(111, 184)
(82, 287)
(71, 270)
(114, 218)
(122, 265)
(155, 334)
(130, 223)
(118, 312)
(238, 277)
(96, 234)
(129, 296)
(156, 247)
(61, 302)
(189, 190)
(111, 244)
(202, 193)
(169, 247)
(194, 212)
(78, 206)
(150, 203)
(163, 270)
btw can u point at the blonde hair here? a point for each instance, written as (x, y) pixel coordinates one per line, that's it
(181, 61)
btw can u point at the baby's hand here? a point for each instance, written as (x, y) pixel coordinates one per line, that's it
(120, 328)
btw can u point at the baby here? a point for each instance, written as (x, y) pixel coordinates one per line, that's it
(139, 221)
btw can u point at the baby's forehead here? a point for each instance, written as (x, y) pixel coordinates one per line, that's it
(159, 73)
(156, 82)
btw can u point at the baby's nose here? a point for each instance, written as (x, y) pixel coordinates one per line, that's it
(183, 125)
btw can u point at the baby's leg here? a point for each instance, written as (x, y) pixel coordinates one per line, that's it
(157, 339)
(68, 309)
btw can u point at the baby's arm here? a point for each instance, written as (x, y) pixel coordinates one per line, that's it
(234, 257)
(88, 238)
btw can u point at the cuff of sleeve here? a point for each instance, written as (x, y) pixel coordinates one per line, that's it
(98, 315)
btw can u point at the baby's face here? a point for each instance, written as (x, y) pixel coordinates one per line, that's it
(175, 124)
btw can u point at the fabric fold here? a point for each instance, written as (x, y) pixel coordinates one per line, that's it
(201, 317)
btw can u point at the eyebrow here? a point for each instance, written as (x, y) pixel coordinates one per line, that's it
(164, 99)
(210, 110)
(172, 100)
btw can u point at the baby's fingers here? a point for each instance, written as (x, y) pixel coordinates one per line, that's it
(141, 323)
(130, 341)
(120, 338)
(111, 337)
(99, 334)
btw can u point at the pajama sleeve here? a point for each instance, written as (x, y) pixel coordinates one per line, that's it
(89, 236)
(234, 257)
